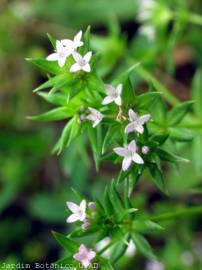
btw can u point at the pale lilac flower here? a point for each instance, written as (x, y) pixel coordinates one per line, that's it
(95, 116)
(92, 206)
(72, 45)
(154, 265)
(82, 62)
(113, 94)
(187, 258)
(136, 122)
(145, 149)
(79, 211)
(148, 31)
(59, 55)
(85, 256)
(130, 155)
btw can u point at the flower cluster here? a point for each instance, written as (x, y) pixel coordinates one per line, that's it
(67, 47)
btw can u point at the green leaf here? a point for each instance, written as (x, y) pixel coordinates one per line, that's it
(47, 66)
(157, 176)
(68, 244)
(147, 100)
(54, 82)
(54, 98)
(116, 199)
(118, 251)
(167, 156)
(197, 93)
(69, 132)
(52, 40)
(108, 205)
(53, 115)
(95, 138)
(181, 134)
(145, 226)
(176, 115)
(143, 246)
(86, 39)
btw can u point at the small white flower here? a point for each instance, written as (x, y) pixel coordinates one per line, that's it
(145, 149)
(136, 122)
(79, 211)
(113, 94)
(148, 31)
(82, 62)
(84, 255)
(95, 116)
(59, 55)
(145, 10)
(130, 155)
(72, 45)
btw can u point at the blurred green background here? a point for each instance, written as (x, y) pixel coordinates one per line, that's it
(34, 185)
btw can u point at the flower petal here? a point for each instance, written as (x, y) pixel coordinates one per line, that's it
(132, 146)
(96, 123)
(52, 57)
(91, 255)
(143, 119)
(86, 68)
(73, 207)
(77, 57)
(109, 89)
(126, 163)
(119, 89)
(78, 36)
(139, 128)
(67, 43)
(83, 205)
(137, 159)
(87, 56)
(130, 128)
(61, 61)
(75, 67)
(59, 46)
(132, 115)
(107, 100)
(118, 101)
(85, 263)
(72, 218)
(121, 151)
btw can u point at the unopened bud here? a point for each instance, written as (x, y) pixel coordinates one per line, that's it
(85, 225)
(145, 150)
(92, 206)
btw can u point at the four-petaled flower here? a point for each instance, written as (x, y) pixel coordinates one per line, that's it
(60, 54)
(130, 154)
(136, 122)
(85, 256)
(95, 116)
(82, 62)
(114, 94)
(79, 211)
(72, 45)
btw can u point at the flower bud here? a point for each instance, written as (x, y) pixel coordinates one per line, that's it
(85, 225)
(92, 206)
(145, 150)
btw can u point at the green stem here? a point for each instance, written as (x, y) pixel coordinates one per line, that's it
(195, 210)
